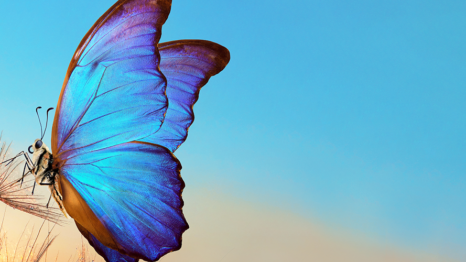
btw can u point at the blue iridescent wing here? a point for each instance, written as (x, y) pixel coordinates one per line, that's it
(187, 66)
(107, 253)
(114, 91)
(134, 189)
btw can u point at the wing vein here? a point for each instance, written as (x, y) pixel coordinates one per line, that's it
(76, 125)
(111, 30)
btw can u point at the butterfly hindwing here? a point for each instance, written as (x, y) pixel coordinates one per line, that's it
(107, 253)
(135, 191)
(187, 66)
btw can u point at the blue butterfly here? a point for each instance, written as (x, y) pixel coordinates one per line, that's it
(125, 106)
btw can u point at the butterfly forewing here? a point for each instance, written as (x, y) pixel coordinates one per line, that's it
(114, 91)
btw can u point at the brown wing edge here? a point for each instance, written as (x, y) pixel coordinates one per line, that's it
(78, 209)
(221, 59)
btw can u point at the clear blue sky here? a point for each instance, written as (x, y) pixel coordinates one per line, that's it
(351, 112)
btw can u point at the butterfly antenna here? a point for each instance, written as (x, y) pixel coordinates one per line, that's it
(39, 107)
(46, 122)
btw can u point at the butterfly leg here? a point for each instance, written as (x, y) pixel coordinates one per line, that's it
(26, 165)
(33, 187)
(46, 179)
(28, 159)
(9, 161)
(48, 202)
(24, 174)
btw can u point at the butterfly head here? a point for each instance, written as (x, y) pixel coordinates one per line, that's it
(38, 148)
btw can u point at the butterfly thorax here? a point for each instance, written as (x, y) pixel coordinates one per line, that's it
(42, 169)
(45, 173)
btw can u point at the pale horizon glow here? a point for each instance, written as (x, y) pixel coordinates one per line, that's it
(227, 229)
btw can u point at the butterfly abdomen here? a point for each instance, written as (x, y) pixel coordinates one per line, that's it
(55, 189)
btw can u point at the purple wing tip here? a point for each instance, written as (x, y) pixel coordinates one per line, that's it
(218, 53)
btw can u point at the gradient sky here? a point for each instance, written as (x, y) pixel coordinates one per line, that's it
(346, 114)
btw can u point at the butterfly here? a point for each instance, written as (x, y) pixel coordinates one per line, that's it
(125, 106)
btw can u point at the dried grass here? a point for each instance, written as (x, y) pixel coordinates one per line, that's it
(16, 193)
(33, 251)
(83, 253)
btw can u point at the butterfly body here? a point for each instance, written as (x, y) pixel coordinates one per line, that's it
(44, 172)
